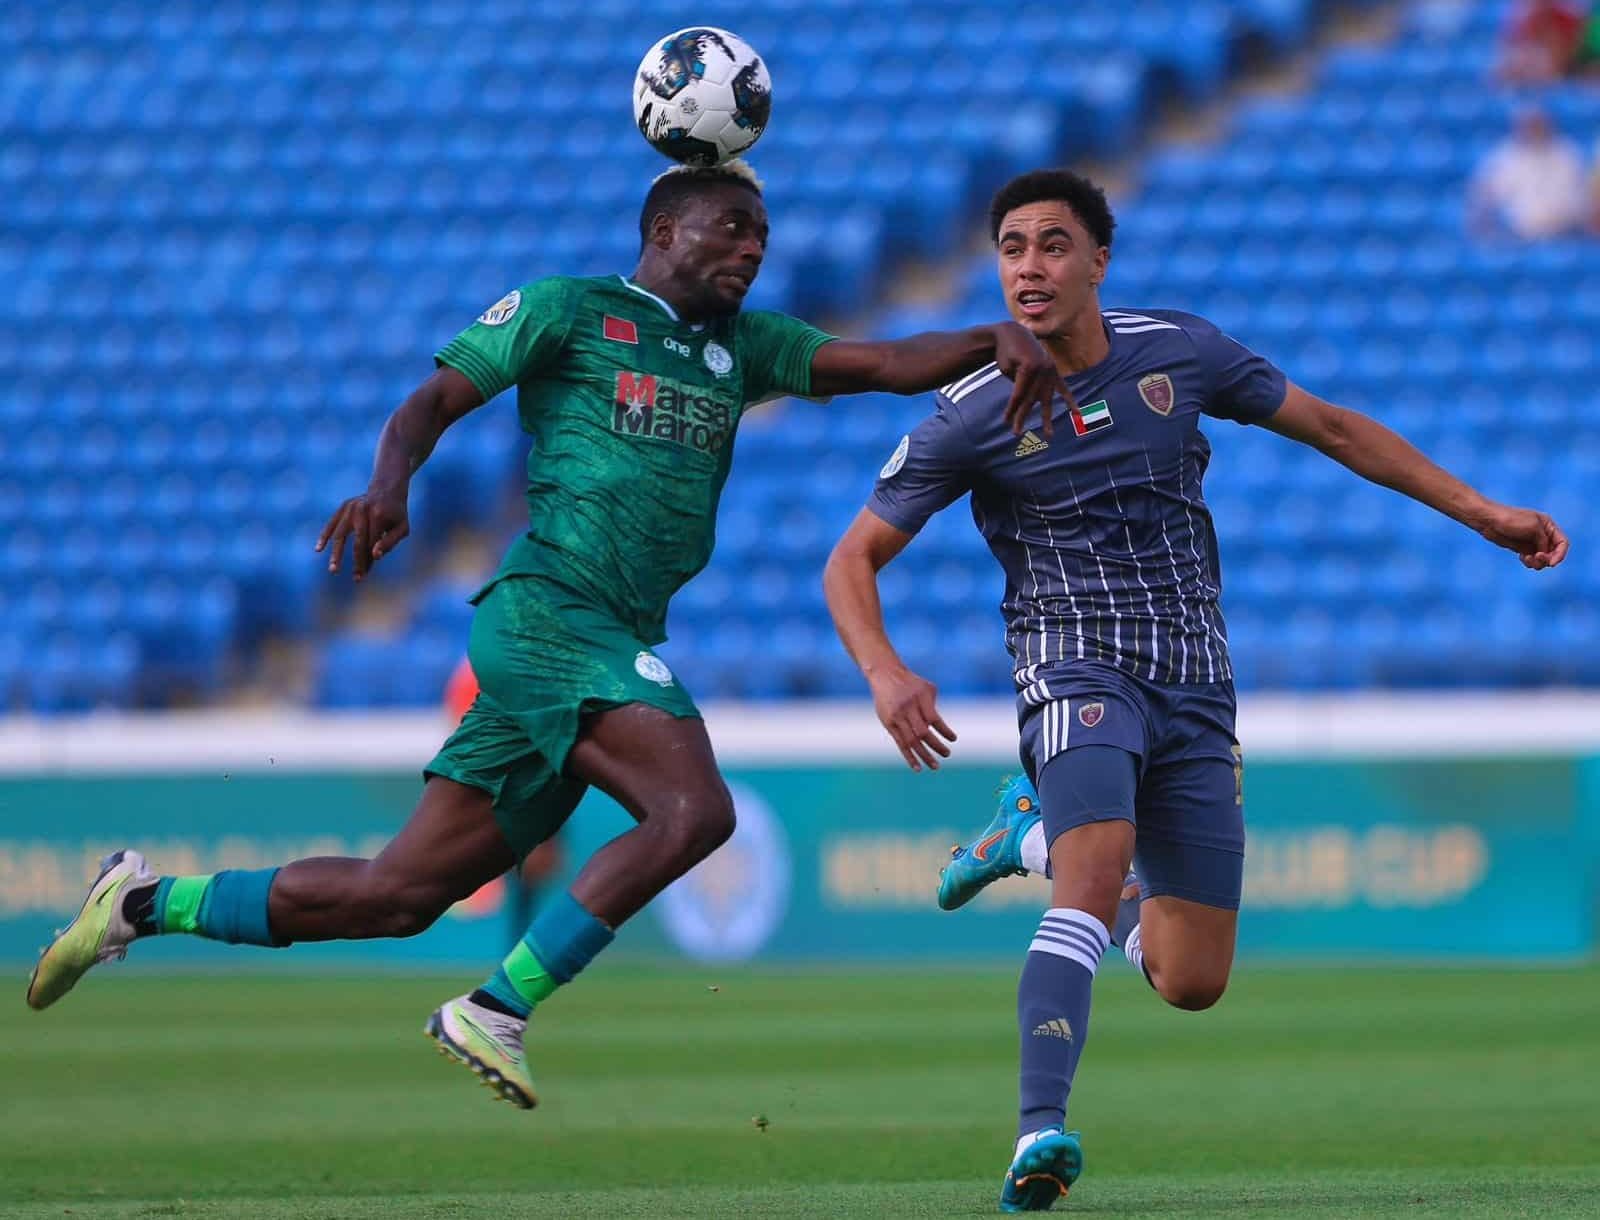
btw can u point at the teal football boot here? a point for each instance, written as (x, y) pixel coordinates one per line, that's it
(1042, 1172)
(995, 853)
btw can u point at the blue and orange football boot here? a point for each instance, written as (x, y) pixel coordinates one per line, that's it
(995, 853)
(1042, 1172)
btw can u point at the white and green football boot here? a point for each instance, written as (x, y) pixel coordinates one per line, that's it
(97, 933)
(488, 1042)
(995, 853)
(1042, 1171)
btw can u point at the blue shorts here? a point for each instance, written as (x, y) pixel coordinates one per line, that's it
(1183, 790)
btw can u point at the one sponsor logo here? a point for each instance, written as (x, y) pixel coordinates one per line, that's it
(718, 359)
(503, 310)
(729, 905)
(897, 459)
(1055, 1027)
(661, 409)
(1031, 443)
(619, 330)
(1156, 390)
(675, 345)
(1091, 418)
(1091, 714)
(652, 669)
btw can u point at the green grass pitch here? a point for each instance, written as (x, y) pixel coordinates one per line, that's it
(1306, 1093)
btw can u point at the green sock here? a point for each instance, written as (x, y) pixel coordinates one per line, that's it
(178, 910)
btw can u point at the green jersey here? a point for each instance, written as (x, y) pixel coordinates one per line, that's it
(632, 413)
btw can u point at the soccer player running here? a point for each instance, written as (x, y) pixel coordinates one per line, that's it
(632, 388)
(1125, 701)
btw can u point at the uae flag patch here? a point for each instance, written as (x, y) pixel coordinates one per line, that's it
(621, 330)
(1091, 418)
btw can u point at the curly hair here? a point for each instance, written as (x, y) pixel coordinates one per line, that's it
(1087, 201)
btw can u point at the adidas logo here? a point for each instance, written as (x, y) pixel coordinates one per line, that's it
(1056, 1027)
(1031, 444)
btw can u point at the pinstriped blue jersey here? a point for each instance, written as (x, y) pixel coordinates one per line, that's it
(1102, 531)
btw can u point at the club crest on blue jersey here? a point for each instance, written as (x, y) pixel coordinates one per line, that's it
(1090, 714)
(1156, 390)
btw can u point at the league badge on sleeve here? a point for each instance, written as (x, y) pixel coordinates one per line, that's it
(503, 310)
(897, 459)
(1156, 390)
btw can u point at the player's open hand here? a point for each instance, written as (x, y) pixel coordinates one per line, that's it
(907, 706)
(375, 522)
(1536, 539)
(1034, 379)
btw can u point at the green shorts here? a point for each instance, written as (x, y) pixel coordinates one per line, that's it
(544, 658)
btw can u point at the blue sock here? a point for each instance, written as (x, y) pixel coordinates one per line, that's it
(1053, 1012)
(1127, 914)
(229, 906)
(561, 941)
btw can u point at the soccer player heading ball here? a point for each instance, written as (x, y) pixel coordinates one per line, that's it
(632, 388)
(1125, 698)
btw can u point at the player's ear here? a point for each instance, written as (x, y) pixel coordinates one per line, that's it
(663, 228)
(1102, 258)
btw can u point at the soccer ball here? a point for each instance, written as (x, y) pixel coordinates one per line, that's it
(701, 96)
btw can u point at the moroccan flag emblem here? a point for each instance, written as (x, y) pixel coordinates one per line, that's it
(1091, 418)
(621, 330)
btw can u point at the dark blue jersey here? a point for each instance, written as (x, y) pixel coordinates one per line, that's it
(1106, 542)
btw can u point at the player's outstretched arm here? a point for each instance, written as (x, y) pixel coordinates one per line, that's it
(1383, 456)
(377, 519)
(905, 702)
(927, 361)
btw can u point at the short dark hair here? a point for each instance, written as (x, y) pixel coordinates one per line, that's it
(673, 189)
(1087, 201)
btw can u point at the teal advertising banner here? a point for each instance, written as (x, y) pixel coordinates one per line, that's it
(1469, 858)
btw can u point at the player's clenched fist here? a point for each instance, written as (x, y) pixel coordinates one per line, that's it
(376, 522)
(1532, 535)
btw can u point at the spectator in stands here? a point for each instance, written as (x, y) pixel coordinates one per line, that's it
(1541, 41)
(1531, 185)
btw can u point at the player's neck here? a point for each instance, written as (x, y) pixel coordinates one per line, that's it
(1082, 345)
(660, 283)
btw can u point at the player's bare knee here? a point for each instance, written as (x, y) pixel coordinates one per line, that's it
(1192, 993)
(1095, 890)
(695, 824)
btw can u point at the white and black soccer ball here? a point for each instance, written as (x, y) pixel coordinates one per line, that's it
(702, 96)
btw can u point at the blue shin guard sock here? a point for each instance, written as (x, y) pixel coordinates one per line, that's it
(560, 942)
(229, 906)
(1053, 1012)
(1127, 914)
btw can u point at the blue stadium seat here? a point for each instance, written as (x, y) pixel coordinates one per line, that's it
(194, 264)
